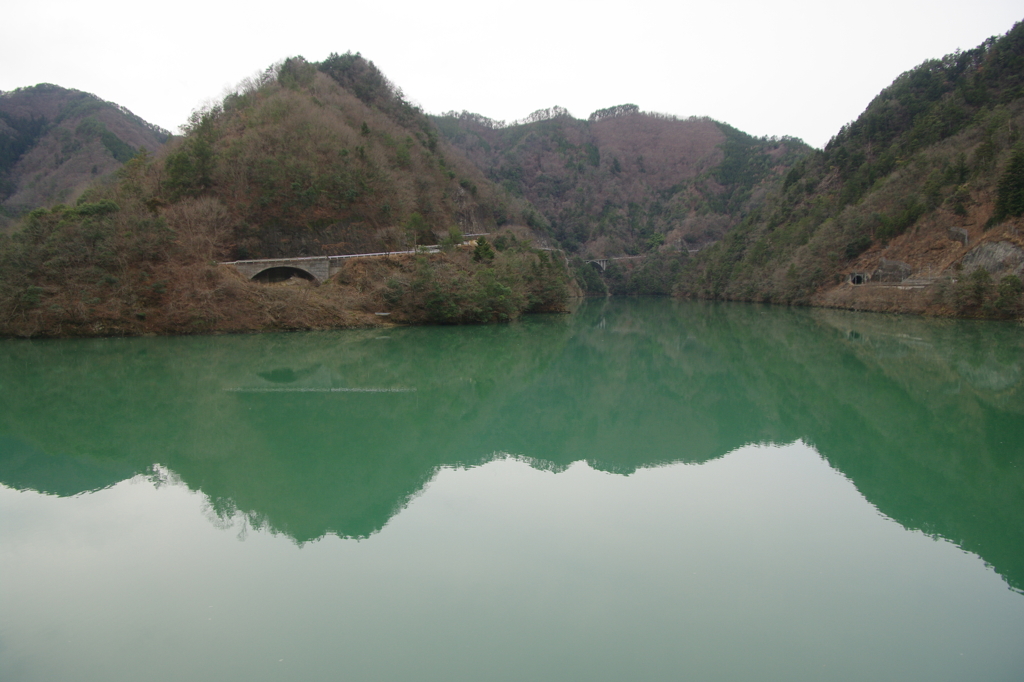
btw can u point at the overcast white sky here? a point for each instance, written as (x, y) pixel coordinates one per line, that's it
(769, 67)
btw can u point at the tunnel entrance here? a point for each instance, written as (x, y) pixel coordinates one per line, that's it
(283, 274)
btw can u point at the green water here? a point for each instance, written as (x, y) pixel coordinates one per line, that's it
(643, 490)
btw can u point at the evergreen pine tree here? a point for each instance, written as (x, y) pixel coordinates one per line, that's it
(1010, 193)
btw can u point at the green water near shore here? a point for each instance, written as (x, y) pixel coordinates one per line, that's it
(646, 488)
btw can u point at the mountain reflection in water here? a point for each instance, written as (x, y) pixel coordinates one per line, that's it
(334, 432)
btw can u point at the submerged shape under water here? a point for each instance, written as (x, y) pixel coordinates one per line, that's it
(693, 490)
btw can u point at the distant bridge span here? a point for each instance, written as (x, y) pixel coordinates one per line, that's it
(603, 262)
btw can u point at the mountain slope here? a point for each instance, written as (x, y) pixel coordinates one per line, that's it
(902, 207)
(330, 157)
(304, 159)
(55, 142)
(625, 181)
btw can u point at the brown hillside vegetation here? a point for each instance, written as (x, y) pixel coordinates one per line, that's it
(55, 142)
(665, 151)
(626, 182)
(946, 246)
(308, 167)
(292, 164)
(113, 267)
(914, 207)
(917, 206)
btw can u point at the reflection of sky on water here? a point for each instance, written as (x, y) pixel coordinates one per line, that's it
(992, 375)
(763, 564)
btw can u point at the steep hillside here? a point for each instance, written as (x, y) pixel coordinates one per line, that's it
(304, 159)
(625, 182)
(55, 142)
(915, 206)
(330, 158)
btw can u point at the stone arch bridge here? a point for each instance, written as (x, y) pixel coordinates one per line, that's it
(314, 268)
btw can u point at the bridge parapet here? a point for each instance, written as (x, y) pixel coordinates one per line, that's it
(321, 268)
(318, 267)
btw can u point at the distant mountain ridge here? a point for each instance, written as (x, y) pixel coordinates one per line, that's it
(625, 182)
(55, 142)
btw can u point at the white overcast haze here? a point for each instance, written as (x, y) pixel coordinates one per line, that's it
(786, 67)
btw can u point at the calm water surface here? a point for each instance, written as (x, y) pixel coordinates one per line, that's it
(643, 490)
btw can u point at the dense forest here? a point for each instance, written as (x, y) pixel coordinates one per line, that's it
(626, 183)
(924, 189)
(315, 156)
(302, 159)
(55, 143)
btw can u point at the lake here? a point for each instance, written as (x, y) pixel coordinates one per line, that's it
(646, 489)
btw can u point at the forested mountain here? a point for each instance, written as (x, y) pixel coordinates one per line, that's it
(915, 206)
(625, 182)
(919, 199)
(55, 142)
(304, 159)
(329, 156)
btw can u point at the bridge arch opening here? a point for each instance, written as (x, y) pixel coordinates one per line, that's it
(282, 273)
